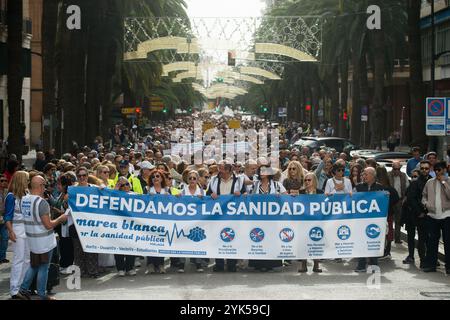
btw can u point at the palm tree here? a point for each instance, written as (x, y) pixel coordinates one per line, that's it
(15, 77)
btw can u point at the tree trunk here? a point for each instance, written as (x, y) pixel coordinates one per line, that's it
(343, 132)
(15, 77)
(72, 75)
(49, 27)
(334, 92)
(355, 130)
(417, 119)
(378, 116)
(364, 98)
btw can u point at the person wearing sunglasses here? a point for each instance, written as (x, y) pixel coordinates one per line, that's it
(295, 179)
(192, 189)
(102, 172)
(203, 178)
(157, 186)
(338, 184)
(310, 188)
(88, 262)
(124, 263)
(415, 215)
(436, 197)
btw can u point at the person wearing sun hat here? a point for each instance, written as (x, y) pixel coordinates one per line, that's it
(266, 185)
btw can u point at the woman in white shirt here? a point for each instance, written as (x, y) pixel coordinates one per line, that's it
(158, 185)
(193, 189)
(338, 184)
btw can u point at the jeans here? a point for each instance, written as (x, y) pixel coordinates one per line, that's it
(124, 263)
(434, 228)
(42, 277)
(3, 241)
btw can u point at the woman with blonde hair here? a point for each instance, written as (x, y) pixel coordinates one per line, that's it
(15, 224)
(310, 188)
(295, 178)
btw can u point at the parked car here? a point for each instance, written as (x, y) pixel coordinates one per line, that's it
(381, 155)
(315, 143)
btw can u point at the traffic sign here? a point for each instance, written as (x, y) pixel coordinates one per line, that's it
(128, 110)
(437, 123)
(364, 118)
(282, 112)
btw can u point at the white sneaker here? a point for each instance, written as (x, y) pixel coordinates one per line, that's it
(137, 263)
(200, 270)
(121, 273)
(180, 270)
(150, 269)
(64, 271)
(131, 272)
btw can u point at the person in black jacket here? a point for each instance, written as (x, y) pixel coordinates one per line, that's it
(415, 214)
(369, 185)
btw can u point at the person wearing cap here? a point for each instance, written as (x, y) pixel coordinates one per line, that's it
(414, 161)
(124, 172)
(226, 182)
(266, 185)
(144, 176)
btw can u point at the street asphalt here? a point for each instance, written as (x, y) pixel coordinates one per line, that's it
(338, 281)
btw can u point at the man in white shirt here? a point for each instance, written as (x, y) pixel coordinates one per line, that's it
(399, 181)
(436, 198)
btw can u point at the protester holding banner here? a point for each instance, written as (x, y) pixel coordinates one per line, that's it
(295, 179)
(41, 238)
(193, 189)
(369, 184)
(310, 188)
(88, 262)
(124, 263)
(15, 223)
(158, 185)
(226, 182)
(266, 185)
(339, 183)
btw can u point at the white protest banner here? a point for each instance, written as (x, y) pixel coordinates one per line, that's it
(246, 227)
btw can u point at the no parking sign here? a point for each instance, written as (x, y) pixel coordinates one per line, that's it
(437, 116)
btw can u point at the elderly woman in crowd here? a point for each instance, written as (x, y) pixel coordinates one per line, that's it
(310, 188)
(15, 224)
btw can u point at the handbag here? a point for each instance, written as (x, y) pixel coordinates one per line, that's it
(38, 259)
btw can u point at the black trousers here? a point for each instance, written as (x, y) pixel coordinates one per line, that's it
(177, 262)
(220, 263)
(434, 228)
(66, 252)
(124, 263)
(268, 264)
(421, 245)
(156, 261)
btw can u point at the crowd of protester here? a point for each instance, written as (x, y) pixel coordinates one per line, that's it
(134, 163)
